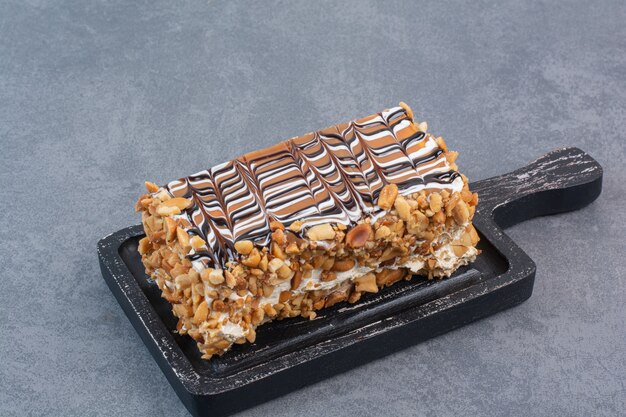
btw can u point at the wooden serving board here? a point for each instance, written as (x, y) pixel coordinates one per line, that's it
(293, 353)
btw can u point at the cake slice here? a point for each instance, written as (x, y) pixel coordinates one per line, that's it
(310, 222)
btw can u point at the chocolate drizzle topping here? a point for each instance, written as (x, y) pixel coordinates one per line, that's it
(330, 176)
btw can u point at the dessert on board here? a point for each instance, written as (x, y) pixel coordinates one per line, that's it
(313, 221)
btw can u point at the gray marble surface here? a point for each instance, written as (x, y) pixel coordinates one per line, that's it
(96, 96)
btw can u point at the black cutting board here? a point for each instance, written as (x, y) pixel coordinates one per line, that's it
(292, 353)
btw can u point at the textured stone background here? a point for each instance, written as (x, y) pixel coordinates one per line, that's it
(96, 96)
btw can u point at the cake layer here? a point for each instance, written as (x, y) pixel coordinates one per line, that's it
(331, 176)
(310, 222)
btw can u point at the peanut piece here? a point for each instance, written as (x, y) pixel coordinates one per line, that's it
(180, 310)
(194, 276)
(269, 310)
(216, 277)
(439, 217)
(201, 313)
(278, 236)
(196, 242)
(366, 283)
(354, 297)
(231, 281)
(460, 212)
(318, 261)
(387, 196)
(328, 263)
(182, 281)
(389, 276)
(183, 238)
(418, 222)
(275, 225)
(467, 196)
(441, 143)
(263, 264)
(472, 210)
(277, 251)
(292, 249)
(321, 232)
(452, 202)
(295, 226)
(144, 246)
(257, 316)
(284, 296)
(170, 229)
(459, 250)
(173, 206)
(256, 271)
(267, 290)
(253, 259)
(181, 203)
(451, 156)
(358, 235)
(435, 202)
(296, 280)
(390, 253)
(275, 264)
(151, 187)
(422, 203)
(284, 272)
(334, 298)
(244, 247)
(407, 109)
(466, 239)
(382, 232)
(222, 344)
(167, 211)
(204, 275)
(343, 265)
(403, 208)
(143, 203)
(474, 238)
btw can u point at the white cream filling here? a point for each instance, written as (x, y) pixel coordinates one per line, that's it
(232, 331)
(314, 282)
(414, 265)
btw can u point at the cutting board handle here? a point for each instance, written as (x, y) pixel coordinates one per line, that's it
(562, 180)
